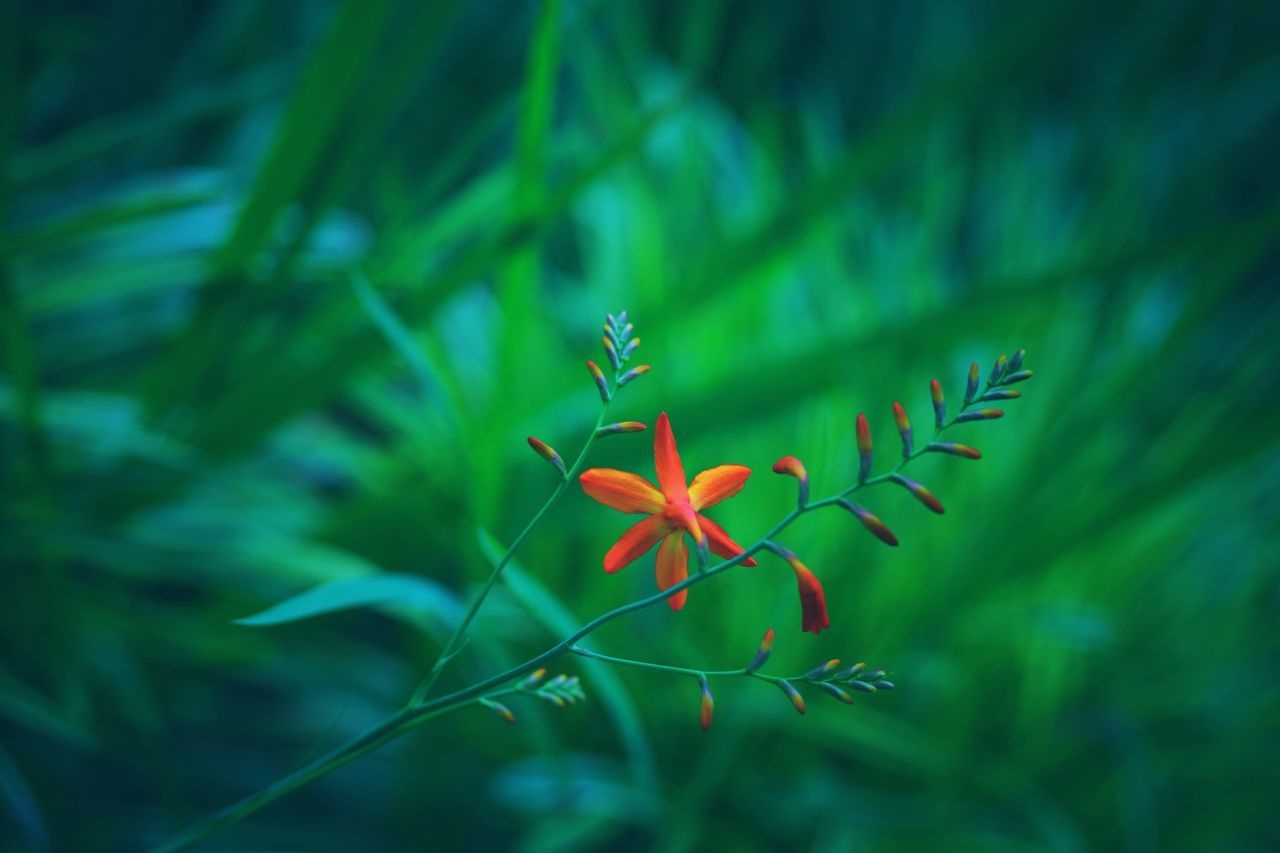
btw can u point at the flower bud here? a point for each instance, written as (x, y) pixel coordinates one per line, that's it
(502, 711)
(633, 373)
(794, 695)
(864, 448)
(980, 415)
(601, 385)
(862, 686)
(874, 526)
(1015, 363)
(708, 703)
(630, 348)
(998, 370)
(971, 389)
(846, 674)
(611, 351)
(1001, 394)
(548, 453)
(881, 684)
(621, 426)
(793, 467)
(1020, 376)
(939, 403)
(919, 492)
(904, 428)
(961, 450)
(762, 653)
(624, 334)
(534, 677)
(822, 671)
(837, 692)
(813, 601)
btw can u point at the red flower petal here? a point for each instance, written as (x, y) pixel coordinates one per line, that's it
(635, 542)
(622, 490)
(673, 566)
(666, 461)
(716, 484)
(720, 543)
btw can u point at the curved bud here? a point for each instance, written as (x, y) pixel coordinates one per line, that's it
(1020, 376)
(793, 467)
(534, 677)
(842, 695)
(501, 710)
(971, 389)
(964, 451)
(904, 428)
(611, 351)
(792, 694)
(762, 653)
(874, 526)
(822, 671)
(633, 373)
(939, 403)
(920, 493)
(813, 601)
(998, 370)
(881, 684)
(611, 333)
(1000, 395)
(630, 348)
(864, 448)
(980, 415)
(601, 385)
(708, 703)
(548, 453)
(621, 426)
(863, 686)
(624, 334)
(1015, 363)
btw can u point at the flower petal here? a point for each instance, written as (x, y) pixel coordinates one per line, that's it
(622, 490)
(635, 542)
(666, 461)
(673, 567)
(715, 484)
(720, 543)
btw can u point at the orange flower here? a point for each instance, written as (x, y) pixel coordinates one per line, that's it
(671, 512)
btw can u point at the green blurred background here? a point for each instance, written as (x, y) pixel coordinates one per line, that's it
(810, 209)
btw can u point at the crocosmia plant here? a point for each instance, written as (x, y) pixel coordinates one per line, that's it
(673, 523)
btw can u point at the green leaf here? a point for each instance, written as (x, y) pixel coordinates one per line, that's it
(397, 594)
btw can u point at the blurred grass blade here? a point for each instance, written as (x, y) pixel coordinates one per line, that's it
(394, 593)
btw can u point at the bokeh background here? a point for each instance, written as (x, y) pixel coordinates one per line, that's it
(285, 286)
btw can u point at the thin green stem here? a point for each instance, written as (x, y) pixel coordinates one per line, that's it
(460, 633)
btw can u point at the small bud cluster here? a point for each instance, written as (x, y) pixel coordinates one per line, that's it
(838, 682)
(560, 691)
(619, 345)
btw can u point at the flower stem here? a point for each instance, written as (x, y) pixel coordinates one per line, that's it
(460, 633)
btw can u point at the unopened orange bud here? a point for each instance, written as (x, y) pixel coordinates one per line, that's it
(864, 448)
(707, 705)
